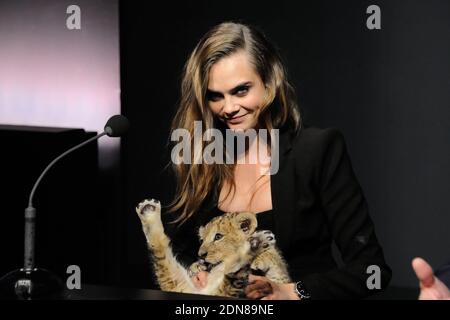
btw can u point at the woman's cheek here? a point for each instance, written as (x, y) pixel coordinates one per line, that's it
(246, 103)
(251, 102)
(214, 107)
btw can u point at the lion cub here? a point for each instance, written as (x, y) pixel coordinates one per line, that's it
(230, 250)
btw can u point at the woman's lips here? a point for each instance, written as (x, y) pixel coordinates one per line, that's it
(237, 120)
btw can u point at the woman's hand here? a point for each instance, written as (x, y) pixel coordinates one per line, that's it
(264, 289)
(200, 279)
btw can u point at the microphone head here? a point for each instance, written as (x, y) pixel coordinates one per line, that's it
(117, 126)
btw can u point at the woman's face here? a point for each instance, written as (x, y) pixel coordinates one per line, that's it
(235, 91)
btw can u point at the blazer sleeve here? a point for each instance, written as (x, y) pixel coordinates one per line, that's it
(351, 227)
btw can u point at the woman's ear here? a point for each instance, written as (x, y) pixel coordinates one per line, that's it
(246, 221)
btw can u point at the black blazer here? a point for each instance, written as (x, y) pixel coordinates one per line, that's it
(316, 200)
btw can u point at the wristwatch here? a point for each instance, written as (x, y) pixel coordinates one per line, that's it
(300, 290)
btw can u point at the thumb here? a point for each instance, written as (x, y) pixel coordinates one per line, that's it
(203, 278)
(423, 271)
(268, 297)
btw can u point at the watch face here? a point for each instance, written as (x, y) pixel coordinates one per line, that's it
(301, 291)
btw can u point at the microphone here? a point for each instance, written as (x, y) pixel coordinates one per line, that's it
(30, 282)
(117, 126)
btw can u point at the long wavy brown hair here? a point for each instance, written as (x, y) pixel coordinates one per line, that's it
(195, 182)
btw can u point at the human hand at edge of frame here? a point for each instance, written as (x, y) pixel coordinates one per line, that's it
(264, 289)
(431, 288)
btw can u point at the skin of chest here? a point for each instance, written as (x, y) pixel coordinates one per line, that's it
(253, 191)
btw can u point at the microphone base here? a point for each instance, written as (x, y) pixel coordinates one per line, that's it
(35, 284)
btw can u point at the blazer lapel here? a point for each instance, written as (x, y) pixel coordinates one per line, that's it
(283, 197)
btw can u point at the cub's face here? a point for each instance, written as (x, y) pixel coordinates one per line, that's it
(225, 240)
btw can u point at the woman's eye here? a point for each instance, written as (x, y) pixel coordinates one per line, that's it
(242, 91)
(218, 236)
(213, 97)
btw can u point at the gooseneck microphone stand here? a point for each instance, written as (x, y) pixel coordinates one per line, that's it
(30, 212)
(30, 282)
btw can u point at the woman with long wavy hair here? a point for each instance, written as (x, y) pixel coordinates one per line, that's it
(235, 80)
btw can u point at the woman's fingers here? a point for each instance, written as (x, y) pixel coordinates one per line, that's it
(252, 278)
(257, 285)
(257, 294)
(196, 282)
(200, 279)
(257, 289)
(203, 278)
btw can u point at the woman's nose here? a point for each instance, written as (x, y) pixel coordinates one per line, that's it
(231, 107)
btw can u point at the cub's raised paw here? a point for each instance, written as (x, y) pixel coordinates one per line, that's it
(147, 208)
(262, 240)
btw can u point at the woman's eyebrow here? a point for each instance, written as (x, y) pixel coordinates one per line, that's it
(243, 84)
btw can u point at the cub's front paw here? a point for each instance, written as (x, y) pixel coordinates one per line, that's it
(196, 267)
(148, 208)
(261, 240)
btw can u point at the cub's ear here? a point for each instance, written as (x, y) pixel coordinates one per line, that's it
(246, 221)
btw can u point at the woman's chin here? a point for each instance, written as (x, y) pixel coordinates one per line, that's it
(238, 127)
(241, 126)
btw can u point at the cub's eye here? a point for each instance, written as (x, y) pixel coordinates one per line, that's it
(218, 236)
(201, 241)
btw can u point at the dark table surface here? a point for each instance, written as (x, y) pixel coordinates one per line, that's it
(97, 292)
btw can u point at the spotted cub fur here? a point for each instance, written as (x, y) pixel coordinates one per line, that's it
(230, 250)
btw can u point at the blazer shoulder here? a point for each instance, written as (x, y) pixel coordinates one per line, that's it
(316, 141)
(314, 148)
